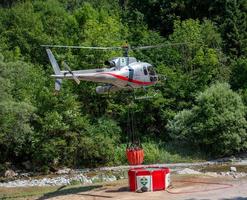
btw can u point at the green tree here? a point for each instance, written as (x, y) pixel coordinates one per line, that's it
(216, 124)
(238, 77)
(200, 59)
(19, 82)
(98, 144)
(16, 131)
(21, 28)
(234, 28)
(239, 73)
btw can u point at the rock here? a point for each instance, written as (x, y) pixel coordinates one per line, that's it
(83, 179)
(235, 176)
(232, 159)
(225, 173)
(233, 169)
(213, 174)
(108, 178)
(10, 173)
(103, 178)
(63, 171)
(55, 162)
(96, 179)
(72, 171)
(25, 176)
(27, 165)
(7, 164)
(188, 171)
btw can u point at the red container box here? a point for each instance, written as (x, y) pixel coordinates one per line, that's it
(149, 179)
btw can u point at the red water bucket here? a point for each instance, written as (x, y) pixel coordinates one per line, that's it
(135, 156)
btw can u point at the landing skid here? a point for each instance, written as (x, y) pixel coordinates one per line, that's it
(146, 96)
(135, 94)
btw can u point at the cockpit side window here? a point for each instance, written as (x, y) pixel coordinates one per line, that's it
(151, 71)
(145, 71)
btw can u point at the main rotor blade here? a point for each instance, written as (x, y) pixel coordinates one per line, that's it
(71, 72)
(117, 48)
(159, 45)
(81, 47)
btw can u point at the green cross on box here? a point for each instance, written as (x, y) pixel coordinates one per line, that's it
(144, 181)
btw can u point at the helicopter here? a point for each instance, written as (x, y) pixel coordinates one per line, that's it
(122, 73)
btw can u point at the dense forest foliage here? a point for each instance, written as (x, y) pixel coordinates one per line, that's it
(200, 109)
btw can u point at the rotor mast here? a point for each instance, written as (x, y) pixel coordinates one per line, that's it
(125, 48)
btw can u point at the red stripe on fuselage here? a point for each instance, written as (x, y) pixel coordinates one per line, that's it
(127, 79)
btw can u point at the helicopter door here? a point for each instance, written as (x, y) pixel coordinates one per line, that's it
(131, 73)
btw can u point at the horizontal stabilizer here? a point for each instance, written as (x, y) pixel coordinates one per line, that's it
(71, 72)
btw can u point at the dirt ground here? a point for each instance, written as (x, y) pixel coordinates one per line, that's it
(183, 187)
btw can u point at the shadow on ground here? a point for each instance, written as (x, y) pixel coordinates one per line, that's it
(68, 191)
(234, 198)
(122, 189)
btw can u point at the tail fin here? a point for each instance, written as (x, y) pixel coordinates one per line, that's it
(56, 69)
(53, 62)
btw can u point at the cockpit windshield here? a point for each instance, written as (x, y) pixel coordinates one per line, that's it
(151, 71)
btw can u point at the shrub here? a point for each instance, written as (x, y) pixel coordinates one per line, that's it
(216, 124)
(97, 145)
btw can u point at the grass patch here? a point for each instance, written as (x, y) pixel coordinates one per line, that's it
(224, 168)
(168, 153)
(161, 153)
(43, 192)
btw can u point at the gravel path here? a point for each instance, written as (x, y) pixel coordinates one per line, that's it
(119, 191)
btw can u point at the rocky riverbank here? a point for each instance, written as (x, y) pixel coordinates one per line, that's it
(62, 177)
(59, 180)
(68, 176)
